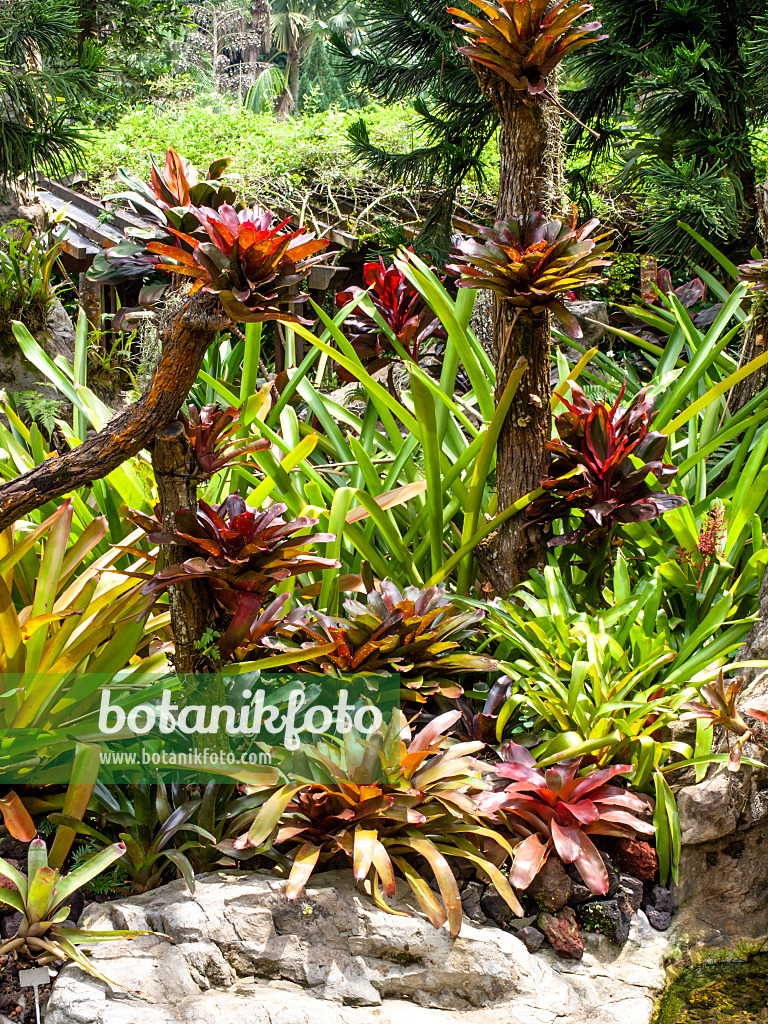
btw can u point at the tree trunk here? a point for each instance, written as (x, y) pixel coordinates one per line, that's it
(289, 98)
(186, 334)
(521, 453)
(292, 78)
(530, 179)
(86, 24)
(175, 466)
(755, 340)
(191, 607)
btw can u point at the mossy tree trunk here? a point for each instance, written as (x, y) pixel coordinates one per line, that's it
(186, 334)
(530, 180)
(755, 341)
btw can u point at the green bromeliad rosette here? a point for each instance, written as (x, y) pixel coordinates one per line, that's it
(43, 935)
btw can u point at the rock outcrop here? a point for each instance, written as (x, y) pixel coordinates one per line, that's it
(57, 338)
(238, 950)
(723, 889)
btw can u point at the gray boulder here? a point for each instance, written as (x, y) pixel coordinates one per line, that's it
(56, 338)
(593, 320)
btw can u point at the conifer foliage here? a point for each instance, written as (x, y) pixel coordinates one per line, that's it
(319, 88)
(42, 81)
(676, 90)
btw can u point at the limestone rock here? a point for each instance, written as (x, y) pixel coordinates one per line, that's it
(724, 825)
(58, 338)
(23, 205)
(722, 887)
(239, 951)
(710, 809)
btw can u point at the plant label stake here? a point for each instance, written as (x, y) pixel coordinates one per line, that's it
(34, 977)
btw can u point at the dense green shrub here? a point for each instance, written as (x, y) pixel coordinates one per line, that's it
(263, 148)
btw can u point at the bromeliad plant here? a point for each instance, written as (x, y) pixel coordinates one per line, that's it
(754, 274)
(155, 826)
(171, 200)
(68, 622)
(26, 263)
(43, 935)
(242, 554)
(605, 456)
(213, 431)
(403, 310)
(523, 41)
(609, 681)
(559, 809)
(530, 265)
(720, 709)
(250, 265)
(207, 235)
(388, 805)
(417, 633)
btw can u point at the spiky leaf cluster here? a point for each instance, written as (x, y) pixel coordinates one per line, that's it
(204, 233)
(604, 457)
(530, 265)
(393, 803)
(401, 307)
(523, 41)
(417, 633)
(754, 274)
(212, 433)
(250, 265)
(241, 553)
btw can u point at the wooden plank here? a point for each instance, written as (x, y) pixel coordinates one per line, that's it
(77, 247)
(120, 217)
(84, 222)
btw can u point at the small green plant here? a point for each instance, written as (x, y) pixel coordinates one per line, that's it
(42, 934)
(26, 263)
(42, 409)
(208, 644)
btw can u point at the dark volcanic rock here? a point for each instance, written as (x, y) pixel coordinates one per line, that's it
(551, 888)
(496, 907)
(632, 889)
(564, 933)
(663, 900)
(531, 938)
(658, 919)
(581, 894)
(471, 898)
(606, 917)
